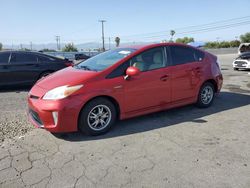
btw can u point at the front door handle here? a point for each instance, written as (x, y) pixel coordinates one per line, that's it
(164, 78)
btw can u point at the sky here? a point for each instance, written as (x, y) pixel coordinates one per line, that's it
(25, 21)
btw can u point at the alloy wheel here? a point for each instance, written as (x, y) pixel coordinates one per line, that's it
(99, 117)
(207, 94)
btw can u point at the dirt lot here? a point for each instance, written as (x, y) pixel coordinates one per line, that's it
(184, 147)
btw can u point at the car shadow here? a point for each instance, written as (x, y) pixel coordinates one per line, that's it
(224, 101)
(16, 89)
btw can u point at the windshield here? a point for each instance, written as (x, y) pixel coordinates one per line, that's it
(104, 60)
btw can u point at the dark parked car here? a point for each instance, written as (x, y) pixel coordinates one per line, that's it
(81, 57)
(25, 68)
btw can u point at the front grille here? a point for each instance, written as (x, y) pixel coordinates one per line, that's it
(240, 63)
(36, 118)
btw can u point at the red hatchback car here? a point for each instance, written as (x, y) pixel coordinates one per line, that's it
(123, 83)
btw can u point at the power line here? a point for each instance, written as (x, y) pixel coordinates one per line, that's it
(190, 27)
(206, 29)
(217, 27)
(214, 23)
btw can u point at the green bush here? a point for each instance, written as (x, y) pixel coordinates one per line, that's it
(69, 48)
(185, 40)
(223, 44)
(245, 37)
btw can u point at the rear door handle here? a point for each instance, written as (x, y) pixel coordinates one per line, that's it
(197, 68)
(164, 78)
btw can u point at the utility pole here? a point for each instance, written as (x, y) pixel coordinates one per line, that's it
(103, 45)
(31, 46)
(109, 43)
(58, 42)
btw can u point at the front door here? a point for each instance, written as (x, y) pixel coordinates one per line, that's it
(151, 88)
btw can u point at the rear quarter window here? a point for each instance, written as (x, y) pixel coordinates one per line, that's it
(198, 55)
(45, 59)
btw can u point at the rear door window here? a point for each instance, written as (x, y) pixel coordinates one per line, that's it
(182, 55)
(23, 58)
(4, 57)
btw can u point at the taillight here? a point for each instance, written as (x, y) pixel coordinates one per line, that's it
(69, 63)
(218, 64)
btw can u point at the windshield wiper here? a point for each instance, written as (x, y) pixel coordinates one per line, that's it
(85, 67)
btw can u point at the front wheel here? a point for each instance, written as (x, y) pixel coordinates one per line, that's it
(97, 117)
(206, 95)
(236, 69)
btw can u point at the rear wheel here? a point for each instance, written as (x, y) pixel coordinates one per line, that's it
(206, 95)
(97, 117)
(236, 69)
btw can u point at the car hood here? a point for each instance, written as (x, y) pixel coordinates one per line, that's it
(67, 76)
(245, 55)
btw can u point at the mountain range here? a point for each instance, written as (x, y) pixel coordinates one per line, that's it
(80, 47)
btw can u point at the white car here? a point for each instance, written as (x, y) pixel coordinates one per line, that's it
(242, 61)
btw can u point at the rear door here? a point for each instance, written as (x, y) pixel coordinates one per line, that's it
(24, 67)
(5, 78)
(186, 72)
(51, 64)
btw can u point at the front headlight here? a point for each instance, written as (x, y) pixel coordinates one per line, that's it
(61, 92)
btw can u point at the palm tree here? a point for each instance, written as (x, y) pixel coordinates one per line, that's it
(117, 41)
(172, 33)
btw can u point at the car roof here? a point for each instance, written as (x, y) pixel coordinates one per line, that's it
(20, 51)
(143, 46)
(28, 52)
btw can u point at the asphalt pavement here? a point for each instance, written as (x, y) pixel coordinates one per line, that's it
(183, 147)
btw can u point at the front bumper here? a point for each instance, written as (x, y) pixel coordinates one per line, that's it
(241, 64)
(41, 113)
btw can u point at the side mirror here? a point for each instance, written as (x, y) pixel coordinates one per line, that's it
(132, 71)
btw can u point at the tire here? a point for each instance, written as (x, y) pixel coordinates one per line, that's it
(206, 95)
(97, 117)
(236, 69)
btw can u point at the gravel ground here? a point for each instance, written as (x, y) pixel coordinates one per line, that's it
(13, 119)
(184, 147)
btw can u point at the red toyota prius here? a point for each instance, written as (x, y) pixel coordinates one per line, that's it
(123, 83)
